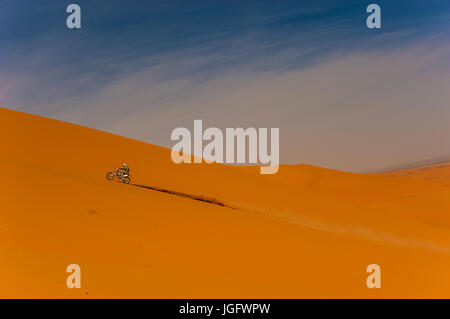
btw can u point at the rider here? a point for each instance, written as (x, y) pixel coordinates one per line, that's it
(125, 170)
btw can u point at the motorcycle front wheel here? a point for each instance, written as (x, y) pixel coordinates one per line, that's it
(109, 176)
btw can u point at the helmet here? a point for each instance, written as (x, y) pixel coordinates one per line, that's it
(125, 165)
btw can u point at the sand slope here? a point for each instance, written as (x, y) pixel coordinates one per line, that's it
(304, 232)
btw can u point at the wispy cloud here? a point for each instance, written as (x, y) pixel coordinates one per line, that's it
(357, 112)
(343, 96)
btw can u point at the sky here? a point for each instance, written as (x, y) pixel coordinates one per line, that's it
(344, 96)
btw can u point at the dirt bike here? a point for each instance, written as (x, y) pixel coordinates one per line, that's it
(125, 177)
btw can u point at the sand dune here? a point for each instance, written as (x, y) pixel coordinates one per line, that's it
(204, 231)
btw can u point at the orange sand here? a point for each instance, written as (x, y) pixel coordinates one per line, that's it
(303, 232)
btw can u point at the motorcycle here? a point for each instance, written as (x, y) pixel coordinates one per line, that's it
(125, 177)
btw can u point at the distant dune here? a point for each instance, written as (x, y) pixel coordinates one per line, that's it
(208, 231)
(419, 164)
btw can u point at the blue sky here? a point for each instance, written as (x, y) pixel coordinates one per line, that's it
(175, 54)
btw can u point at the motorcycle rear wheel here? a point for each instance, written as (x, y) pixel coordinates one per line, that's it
(126, 180)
